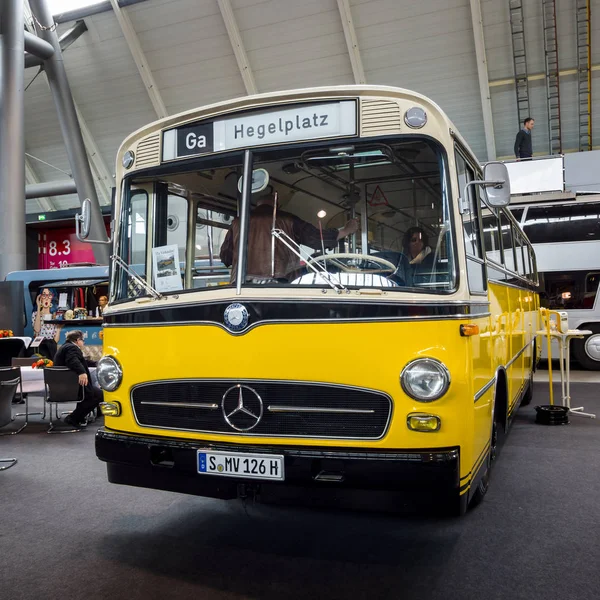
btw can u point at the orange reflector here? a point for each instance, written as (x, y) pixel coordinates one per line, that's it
(469, 329)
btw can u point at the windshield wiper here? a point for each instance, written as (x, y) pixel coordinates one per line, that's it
(314, 266)
(117, 260)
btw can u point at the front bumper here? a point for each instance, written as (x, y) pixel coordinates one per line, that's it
(171, 464)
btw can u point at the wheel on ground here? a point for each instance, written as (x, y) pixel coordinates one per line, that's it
(587, 350)
(528, 394)
(484, 483)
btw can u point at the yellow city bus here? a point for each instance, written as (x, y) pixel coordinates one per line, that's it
(387, 360)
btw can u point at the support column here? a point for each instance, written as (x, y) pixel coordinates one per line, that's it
(69, 125)
(12, 146)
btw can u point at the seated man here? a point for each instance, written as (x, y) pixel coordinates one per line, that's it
(70, 355)
(287, 264)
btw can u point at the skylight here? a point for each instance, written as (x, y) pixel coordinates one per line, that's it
(58, 7)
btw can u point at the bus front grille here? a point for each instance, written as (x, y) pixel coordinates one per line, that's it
(263, 408)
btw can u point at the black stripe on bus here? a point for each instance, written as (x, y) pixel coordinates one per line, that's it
(296, 311)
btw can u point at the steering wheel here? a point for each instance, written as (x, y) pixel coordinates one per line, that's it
(385, 266)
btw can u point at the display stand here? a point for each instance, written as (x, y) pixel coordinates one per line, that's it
(564, 344)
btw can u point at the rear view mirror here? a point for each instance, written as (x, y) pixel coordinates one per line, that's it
(83, 220)
(496, 184)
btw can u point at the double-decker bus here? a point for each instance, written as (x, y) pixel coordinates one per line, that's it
(566, 237)
(365, 366)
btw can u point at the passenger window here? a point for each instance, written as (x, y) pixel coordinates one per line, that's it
(519, 252)
(491, 242)
(470, 221)
(507, 243)
(134, 236)
(177, 209)
(211, 229)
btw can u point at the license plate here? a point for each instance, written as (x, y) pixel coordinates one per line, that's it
(231, 464)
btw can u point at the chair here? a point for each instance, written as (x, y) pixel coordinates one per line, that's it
(8, 389)
(10, 348)
(62, 386)
(8, 375)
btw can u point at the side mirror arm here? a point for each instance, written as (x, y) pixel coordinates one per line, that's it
(463, 204)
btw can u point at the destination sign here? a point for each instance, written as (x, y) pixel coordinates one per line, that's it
(298, 123)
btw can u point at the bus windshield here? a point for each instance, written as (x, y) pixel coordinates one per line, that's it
(365, 215)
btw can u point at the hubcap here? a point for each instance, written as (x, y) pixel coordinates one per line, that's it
(592, 346)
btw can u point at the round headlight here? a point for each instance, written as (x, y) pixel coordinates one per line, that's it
(128, 159)
(415, 117)
(109, 373)
(425, 379)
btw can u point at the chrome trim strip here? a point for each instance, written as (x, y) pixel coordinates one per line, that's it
(485, 388)
(249, 434)
(516, 356)
(491, 382)
(287, 300)
(183, 404)
(295, 321)
(315, 409)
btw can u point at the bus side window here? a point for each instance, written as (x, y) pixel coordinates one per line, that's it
(508, 244)
(520, 252)
(491, 242)
(471, 232)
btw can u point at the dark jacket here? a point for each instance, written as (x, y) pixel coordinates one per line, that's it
(260, 240)
(523, 145)
(70, 355)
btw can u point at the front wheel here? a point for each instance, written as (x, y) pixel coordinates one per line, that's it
(587, 350)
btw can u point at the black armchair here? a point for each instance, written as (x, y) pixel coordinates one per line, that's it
(10, 348)
(8, 389)
(10, 374)
(62, 386)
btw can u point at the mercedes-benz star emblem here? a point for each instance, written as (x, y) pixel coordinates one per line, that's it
(242, 407)
(236, 317)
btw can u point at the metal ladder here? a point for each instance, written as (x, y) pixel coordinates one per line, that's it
(552, 83)
(517, 31)
(584, 74)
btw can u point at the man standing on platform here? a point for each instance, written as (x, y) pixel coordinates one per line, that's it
(523, 145)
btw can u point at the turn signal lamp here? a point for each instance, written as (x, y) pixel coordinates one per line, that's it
(423, 422)
(469, 329)
(110, 409)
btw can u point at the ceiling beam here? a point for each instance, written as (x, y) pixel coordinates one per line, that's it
(484, 84)
(31, 177)
(103, 179)
(238, 47)
(351, 41)
(140, 60)
(65, 40)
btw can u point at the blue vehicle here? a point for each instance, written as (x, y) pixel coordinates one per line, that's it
(67, 292)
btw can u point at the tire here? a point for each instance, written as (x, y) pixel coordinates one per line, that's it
(484, 483)
(528, 394)
(587, 350)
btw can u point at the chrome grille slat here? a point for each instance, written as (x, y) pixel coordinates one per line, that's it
(292, 409)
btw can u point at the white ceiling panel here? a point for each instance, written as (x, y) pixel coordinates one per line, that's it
(426, 46)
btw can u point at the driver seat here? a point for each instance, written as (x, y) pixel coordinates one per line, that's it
(347, 279)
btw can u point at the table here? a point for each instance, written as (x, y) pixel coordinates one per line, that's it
(26, 339)
(564, 350)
